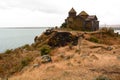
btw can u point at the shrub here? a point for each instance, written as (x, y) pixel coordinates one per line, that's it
(109, 31)
(102, 78)
(46, 49)
(104, 29)
(76, 51)
(8, 51)
(93, 39)
(27, 47)
(64, 25)
(70, 46)
(24, 62)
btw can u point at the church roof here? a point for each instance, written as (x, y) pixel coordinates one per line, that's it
(72, 10)
(91, 17)
(83, 13)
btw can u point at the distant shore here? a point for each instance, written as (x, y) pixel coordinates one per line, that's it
(23, 27)
(115, 28)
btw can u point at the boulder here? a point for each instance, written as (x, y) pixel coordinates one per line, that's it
(102, 78)
(45, 59)
(36, 65)
(60, 39)
(109, 48)
(48, 31)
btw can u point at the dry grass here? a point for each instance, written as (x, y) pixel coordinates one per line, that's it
(90, 64)
(15, 61)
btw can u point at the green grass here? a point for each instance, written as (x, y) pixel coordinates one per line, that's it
(45, 49)
(93, 39)
(8, 51)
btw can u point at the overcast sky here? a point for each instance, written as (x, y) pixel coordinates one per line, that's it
(39, 13)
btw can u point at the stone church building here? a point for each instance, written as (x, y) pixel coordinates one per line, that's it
(82, 21)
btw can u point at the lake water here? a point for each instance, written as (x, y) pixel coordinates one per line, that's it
(13, 38)
(117, 31)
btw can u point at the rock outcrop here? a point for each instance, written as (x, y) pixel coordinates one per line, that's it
(62, 39)
(56, 39)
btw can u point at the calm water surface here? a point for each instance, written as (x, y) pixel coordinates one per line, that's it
(13, 38)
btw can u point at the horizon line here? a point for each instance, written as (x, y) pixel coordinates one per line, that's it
(24, 27)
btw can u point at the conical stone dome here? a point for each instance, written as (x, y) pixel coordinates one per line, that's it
(83, 13)
(72, 11)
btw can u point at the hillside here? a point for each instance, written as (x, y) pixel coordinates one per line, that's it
(97, 54)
